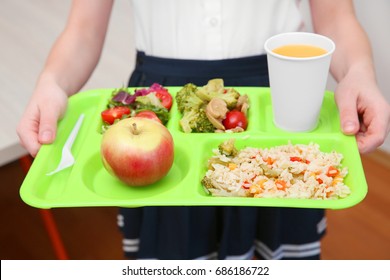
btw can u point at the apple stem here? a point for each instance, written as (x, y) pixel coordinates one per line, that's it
(134, 129)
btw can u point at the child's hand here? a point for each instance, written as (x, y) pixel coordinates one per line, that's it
(38, 124)
(364, 111)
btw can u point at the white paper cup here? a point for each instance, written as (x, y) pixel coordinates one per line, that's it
(298, 84)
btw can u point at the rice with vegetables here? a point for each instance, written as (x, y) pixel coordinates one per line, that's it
(287, 171)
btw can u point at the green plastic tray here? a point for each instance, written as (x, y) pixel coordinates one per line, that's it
(87, 183)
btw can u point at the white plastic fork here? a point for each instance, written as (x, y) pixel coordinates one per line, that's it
(67, 158)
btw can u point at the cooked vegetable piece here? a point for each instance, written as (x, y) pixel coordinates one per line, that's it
(228, 148)
(196, 121)
(187, 100)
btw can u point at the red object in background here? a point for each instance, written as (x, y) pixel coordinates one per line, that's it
(48, 219)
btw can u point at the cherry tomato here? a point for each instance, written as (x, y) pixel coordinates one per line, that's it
(148, 115)
(165, 98)
(235, 118)
(110, 115)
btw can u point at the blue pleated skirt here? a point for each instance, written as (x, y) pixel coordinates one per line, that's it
(198, 232)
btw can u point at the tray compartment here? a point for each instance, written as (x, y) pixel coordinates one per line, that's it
(95, 177)
(253, 123)
(327, 142)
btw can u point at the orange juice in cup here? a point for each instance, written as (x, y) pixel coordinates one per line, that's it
(298, 64)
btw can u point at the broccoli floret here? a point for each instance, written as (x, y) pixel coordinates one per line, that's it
(207, 184)
(215, 89)
(214, 85)
(195, 120)
(186, 98)
(230, 96)
(227, 148)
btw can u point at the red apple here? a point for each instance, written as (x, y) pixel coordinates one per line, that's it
(138, 151)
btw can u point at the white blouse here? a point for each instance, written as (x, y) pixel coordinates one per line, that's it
(211, 29)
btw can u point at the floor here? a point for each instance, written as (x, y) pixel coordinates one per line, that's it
(360, 232)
